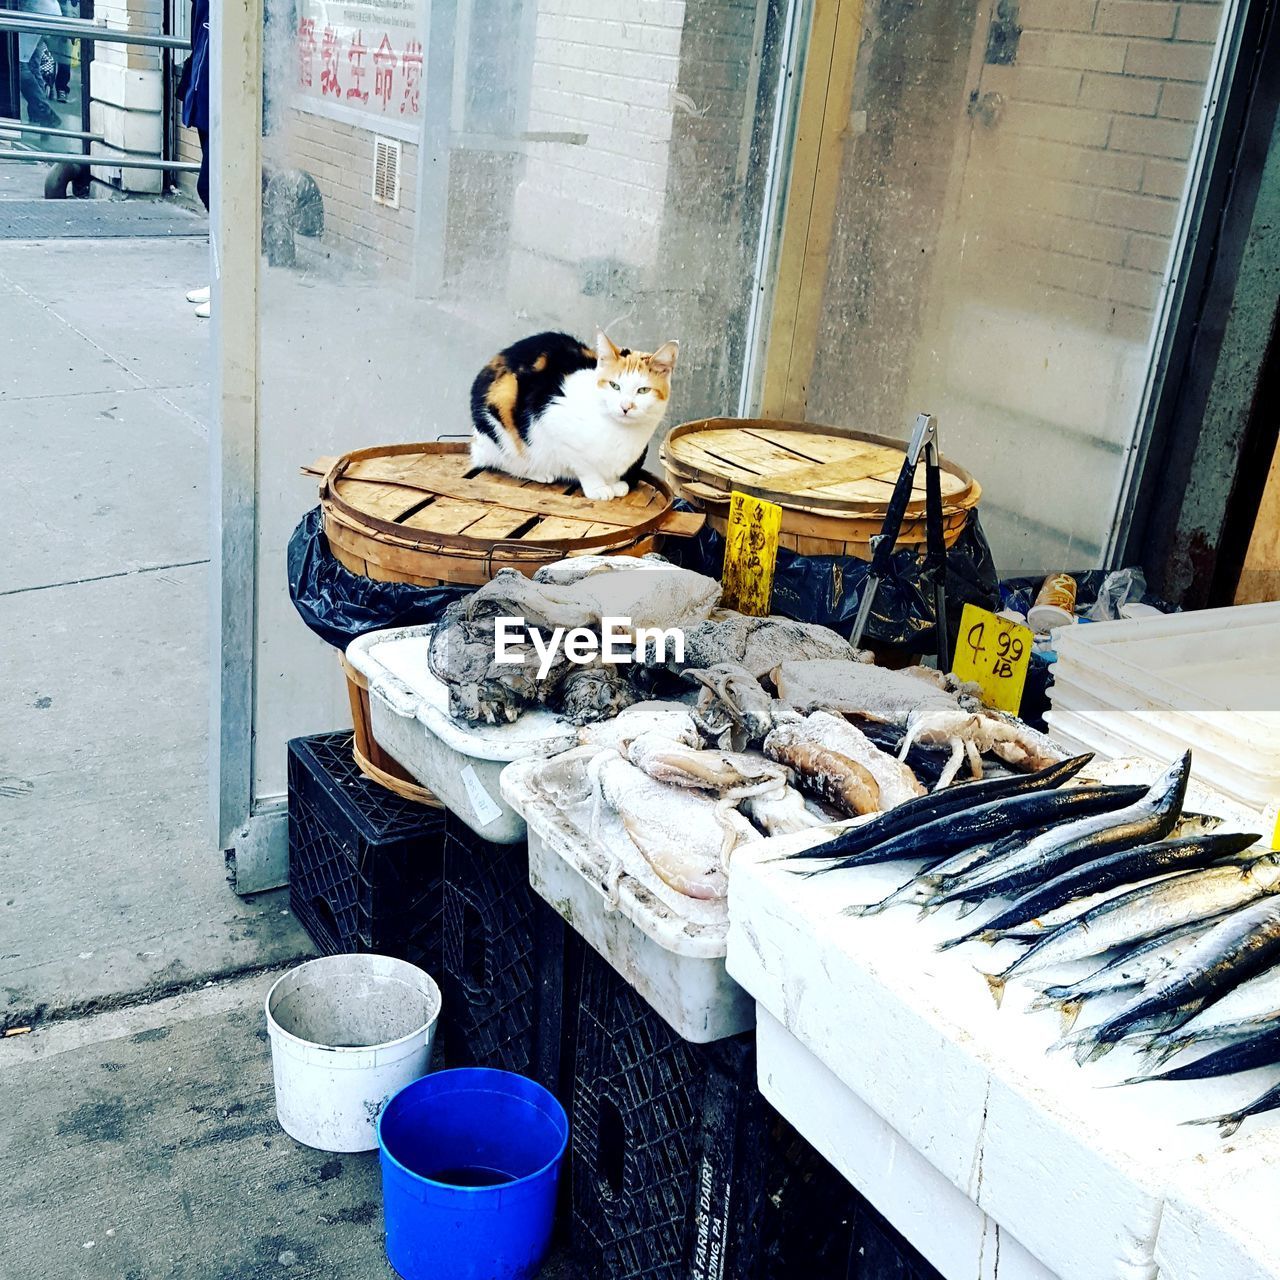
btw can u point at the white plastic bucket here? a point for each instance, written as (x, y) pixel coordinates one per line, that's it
(347, 1032)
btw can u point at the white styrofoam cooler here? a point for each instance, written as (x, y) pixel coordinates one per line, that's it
(461, 763)
(1155, 686)
(676, 964)
(920, 1090)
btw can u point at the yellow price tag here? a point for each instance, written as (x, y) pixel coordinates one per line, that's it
(750, 553)
(994, 654)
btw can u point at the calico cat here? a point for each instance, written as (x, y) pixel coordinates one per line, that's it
(552, 408)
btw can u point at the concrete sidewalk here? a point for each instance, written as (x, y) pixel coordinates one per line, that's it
(140, 1140)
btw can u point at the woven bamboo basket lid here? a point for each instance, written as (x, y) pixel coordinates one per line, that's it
(833, 485)
(421, 513)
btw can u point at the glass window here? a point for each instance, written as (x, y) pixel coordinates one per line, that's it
(1009, 187)
(488, 169)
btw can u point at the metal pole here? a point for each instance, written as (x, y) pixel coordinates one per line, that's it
(98, 160)
(21, 126)
(90, 31)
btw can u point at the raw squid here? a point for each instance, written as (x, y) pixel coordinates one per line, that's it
(895, 780)
(824, 772)
(683, 835)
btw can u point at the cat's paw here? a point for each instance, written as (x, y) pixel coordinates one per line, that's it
(598, 490)
(619, 489)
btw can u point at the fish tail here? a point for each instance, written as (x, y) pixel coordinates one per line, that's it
(956, 941)
(996, 983)
(1227, 1124)
(1069, 1011)
(1091, 1048)
(968, 908)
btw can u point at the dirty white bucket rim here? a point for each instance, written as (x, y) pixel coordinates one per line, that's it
(347, 1033)
(430, 991)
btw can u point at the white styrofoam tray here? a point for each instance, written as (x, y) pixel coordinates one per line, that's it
(1217, 664)
(1075, 1171)
(675, 962)
(461, 763)
(1076, 727)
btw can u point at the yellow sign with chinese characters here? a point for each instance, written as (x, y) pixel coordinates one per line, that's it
(994, 654)
(750, 553)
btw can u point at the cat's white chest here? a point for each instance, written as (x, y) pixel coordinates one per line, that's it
(575, 435)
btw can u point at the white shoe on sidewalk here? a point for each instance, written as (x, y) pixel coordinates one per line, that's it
(204, 310)
(199, 296)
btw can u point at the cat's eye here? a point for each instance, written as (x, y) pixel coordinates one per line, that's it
(615, 386)
(643, 391)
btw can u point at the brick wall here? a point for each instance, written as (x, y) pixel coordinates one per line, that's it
(644, 221)
(1089, 140)
(340, 158)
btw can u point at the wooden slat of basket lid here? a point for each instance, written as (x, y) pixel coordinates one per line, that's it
(819, 447)
(446, 515)
(385, 501)
(445, 475)
(549, 528)
(851, 470)
(499, 522)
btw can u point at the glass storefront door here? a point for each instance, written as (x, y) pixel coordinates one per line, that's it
(1005, 185)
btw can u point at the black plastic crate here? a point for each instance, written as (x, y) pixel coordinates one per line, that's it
(508, 976)
(366, 868)
(681, 1170)
(878, 1252)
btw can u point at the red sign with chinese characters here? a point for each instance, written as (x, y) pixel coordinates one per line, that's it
(364, 60)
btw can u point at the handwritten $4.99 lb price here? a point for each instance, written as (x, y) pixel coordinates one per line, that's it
(994, 654)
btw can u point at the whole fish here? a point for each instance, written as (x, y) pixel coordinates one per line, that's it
(991, 821)
(1143, 912)
(1247, 1008)
(1149, 819)
(927, 808)
(1229, 1123)
(1236, 948)
(1189, 824)
(1134, 967)
(1144, 862)
(920, 888)
(1261, 1049)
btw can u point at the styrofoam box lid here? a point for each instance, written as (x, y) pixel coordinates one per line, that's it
(395, 664)
(1220, 661)
(1223, 761)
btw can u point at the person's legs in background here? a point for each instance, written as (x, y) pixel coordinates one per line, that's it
(31, 82)
(202, 179)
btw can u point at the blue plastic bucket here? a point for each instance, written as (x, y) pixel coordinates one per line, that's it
(470, 1163)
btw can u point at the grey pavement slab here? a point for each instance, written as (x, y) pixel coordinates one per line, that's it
(159, 1155)
(146, 1148)
(97, 219)
(126, 299)
(101, 483)
(40, 355)
(112, 884)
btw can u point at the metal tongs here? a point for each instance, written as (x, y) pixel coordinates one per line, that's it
(924, 439)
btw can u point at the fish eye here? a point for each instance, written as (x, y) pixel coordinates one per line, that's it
(615, 386)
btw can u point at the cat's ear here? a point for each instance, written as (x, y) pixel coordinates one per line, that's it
(664, 359)
(606, 352)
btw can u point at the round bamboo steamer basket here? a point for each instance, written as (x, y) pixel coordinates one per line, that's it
(420, 513)
(370, 758)
(833, 485)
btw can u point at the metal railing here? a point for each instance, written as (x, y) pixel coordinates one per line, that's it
(88, 32)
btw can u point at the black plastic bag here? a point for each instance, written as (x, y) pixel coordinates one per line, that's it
(339, 605)
(826, 589)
